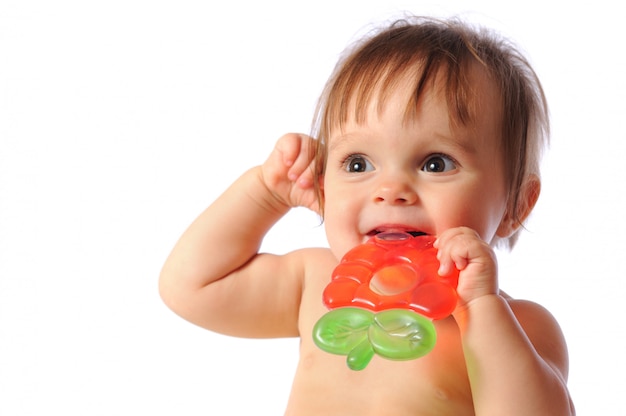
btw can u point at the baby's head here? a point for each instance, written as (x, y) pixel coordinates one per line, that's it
(428, 50)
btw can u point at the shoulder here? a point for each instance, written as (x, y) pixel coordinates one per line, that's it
(530, 313)
(311, 258)
(298, 261)
(301, 268)
(544, 332)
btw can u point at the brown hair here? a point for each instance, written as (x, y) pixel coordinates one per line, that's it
(425, 49)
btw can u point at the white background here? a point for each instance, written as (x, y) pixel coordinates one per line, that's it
(121, 120)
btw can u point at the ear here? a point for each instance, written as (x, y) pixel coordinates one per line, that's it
(529, 194)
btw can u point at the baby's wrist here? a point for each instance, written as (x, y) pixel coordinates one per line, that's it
(474, 308)
(266, 196)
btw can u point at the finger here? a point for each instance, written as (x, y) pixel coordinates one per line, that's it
(453, 249)
(288, 148)
(302, 167)
(304, 154)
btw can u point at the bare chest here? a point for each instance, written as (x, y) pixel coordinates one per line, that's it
(435, 384)
(427, 386)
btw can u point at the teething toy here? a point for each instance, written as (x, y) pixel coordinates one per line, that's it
(383, 297)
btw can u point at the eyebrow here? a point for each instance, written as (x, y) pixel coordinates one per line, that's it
(463, 142)
(341, 139)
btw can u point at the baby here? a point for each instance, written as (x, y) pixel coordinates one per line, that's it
(426, 127)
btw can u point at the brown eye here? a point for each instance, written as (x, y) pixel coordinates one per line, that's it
(357, 164)
(439, 164)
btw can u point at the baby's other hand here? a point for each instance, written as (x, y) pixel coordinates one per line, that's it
(288, 171)
(476, 261)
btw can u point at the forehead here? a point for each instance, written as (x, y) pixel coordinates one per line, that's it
(470, 97)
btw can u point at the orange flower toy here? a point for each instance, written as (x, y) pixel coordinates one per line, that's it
(383, 297)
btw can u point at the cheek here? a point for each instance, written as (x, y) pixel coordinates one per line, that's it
(480, 210)
(339, 211)
(338, 232)
(338, 198)
(342, 209)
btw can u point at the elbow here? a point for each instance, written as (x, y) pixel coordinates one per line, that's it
(182, 299)
(167, 290)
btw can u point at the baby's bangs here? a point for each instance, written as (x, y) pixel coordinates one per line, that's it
(374, 73)
(367, 82)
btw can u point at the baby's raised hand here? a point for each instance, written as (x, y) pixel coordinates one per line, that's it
(463, 248)
(288, 171)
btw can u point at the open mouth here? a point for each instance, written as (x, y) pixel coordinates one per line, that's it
(411, 232)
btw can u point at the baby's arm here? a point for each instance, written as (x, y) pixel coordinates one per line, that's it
(214, 276)
(515, 352)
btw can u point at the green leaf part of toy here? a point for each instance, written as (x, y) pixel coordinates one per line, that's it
(395, 334)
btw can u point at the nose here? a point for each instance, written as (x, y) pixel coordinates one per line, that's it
(395, 191)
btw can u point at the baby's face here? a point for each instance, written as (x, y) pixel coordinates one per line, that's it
(423, 175)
